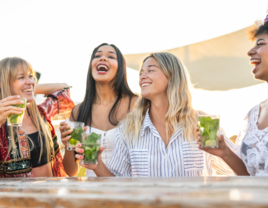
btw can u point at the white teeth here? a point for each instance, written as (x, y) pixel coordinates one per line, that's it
(103, 66)
(255, 61)
(145, 84)
(30, 90)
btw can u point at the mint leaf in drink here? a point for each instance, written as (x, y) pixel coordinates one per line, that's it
(202, 121)
(205, 132)
(213, 134)
(94, 155)
(208, 128)
(14, 118)
(76, 133)
(80, 130)
(208, 119)
(20, 105)
(92, 138)
(91, 148)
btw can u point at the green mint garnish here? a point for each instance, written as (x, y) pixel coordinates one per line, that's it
(208, 128)
(76, 133)
(91, 148)
(92, 138)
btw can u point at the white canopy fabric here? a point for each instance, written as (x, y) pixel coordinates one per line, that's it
(57, 37)
(217, 64)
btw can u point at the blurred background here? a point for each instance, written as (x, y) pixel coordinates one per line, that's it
(209, 36)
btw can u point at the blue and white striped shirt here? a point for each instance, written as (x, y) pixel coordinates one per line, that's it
(148, 157)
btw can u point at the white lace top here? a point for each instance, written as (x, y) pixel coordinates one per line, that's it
(108, 139)
(252, 144)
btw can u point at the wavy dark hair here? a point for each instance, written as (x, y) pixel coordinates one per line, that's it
(258, 28)
(120, 87)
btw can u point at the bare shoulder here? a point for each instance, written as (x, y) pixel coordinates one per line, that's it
(127, 99)
(264, 104)
(127, 105)
(74, 113)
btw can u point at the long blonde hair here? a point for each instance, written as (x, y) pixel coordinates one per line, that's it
(179, 98)
(8, 72)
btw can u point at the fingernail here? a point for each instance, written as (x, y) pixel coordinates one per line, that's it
(81, 157)
(81, 150)
(79, 145)
(18, 96)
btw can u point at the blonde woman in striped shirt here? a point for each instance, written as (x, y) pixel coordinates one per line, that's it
(158, 139)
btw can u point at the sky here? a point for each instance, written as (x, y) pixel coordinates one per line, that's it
(57, 38)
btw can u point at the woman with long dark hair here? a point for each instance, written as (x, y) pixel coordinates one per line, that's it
(107, 101)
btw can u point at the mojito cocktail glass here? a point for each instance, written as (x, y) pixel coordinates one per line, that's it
(78, 129)
(91, 144)
(208, 126)
(16, 119)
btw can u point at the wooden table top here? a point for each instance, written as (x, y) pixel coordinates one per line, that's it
(134, 192)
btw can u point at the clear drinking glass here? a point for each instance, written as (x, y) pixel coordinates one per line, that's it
(78, 129)
(91, 143)
(16, 119)
(208, 126)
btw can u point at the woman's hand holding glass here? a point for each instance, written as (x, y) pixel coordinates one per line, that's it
(79, 150)
(7, 108)
(65, 131)
(221, 152)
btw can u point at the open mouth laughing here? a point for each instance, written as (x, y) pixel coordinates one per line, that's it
(102, 68)
(28, 91)
(255, 62)
(145, 84)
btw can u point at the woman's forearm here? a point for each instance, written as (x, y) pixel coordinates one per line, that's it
(235, 163)
(47, 89)
(103, 171)
(69, 162)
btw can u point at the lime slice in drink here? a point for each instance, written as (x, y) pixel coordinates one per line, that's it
(213, 143)
(72, 141)
(208, 143)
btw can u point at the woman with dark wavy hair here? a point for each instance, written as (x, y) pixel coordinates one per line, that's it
(107, 101)
(251, 156)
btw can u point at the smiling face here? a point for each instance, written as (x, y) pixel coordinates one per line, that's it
(153, 81)
(104, 64)
(259, 57)
(23, 84)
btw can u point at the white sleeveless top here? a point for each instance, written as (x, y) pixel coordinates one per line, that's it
(252, 144)
(108, 140)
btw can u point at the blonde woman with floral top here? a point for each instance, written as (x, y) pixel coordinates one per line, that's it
(32, 149)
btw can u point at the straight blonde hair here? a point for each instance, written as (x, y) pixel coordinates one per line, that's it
(8, 73)
(179, 100)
